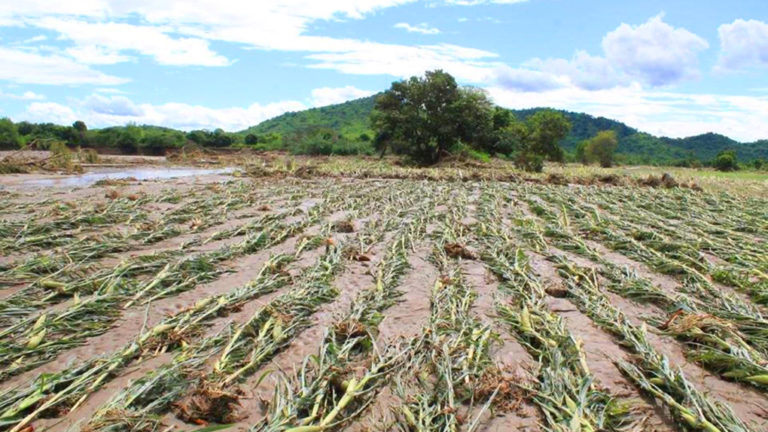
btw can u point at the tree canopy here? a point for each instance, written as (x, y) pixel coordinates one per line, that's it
(726, 161)
(9, 134)
(601, 148)
(532, 141)
(545, 131)
(424, 117)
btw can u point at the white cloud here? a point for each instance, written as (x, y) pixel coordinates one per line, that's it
(96, 55)
(45, 112)
(109, 90)
(422, 28)
(27, 95)
(655, 52)
(119, 106)
(657, 112)
(477, 2)
(179, 33)
(33, 39)
(34, 68)
(101, 111)
(89, 8)
(329, 95)
(105, 43)
(743, 44)
(583, 70)
(526, 80)
(466, 64)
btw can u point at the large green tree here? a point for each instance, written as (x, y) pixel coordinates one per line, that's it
(726, 160)
(532, 142)
(424, 117)
(79, 130)
(546, 129)
(9, 134)
(601, 148)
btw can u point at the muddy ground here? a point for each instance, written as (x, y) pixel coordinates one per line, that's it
(197, 208)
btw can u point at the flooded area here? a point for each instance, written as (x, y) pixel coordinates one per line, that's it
(141, 174)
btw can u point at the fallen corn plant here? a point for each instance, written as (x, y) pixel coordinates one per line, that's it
(337, 385)
(650, 370)
(48, 337)
(66, 390)
(270, 328)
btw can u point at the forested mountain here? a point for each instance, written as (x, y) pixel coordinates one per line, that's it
(351, 119)
(345, 129)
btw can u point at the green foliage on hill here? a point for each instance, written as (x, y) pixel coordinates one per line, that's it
(351, 119)
(351, 133)
(708, 146)
(583, 126)
(129, 139)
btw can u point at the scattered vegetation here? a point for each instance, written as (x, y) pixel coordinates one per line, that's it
(347, 294)
(601, 149)
(726, 161)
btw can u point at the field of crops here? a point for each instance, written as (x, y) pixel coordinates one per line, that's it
(326, 304)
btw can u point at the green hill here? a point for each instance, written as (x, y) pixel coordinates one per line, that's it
(351, 119)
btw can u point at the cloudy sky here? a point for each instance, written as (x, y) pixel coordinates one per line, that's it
(669, 68)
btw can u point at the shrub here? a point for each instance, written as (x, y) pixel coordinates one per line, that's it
(530, 162)
(326, 143)
(269, 146)
(88, 156)
(61, 157)
(464, 151)
(726, 161)
(251, 139)
(9, 135)
(600, 148)
(313, 146)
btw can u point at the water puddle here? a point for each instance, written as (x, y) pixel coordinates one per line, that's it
(90, 178)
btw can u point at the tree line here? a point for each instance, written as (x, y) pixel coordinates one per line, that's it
(428, 118)
(154, 140)
(129, 139)
(424, 119)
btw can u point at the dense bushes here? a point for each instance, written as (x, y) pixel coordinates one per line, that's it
(129, 139)
(133, 139)
(325, 141)
(153, 140)
(9, 135)
(217, 138)
(726, 161)
(601, 148)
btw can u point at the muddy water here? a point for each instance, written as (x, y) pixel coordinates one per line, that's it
(144, 173)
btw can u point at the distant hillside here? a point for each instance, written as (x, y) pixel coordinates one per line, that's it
(351, 119)
(348, 118)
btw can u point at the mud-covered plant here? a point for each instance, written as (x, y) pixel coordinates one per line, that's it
(649, 369)
(336, 385)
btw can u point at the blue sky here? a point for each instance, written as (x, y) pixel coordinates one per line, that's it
(669, 68)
